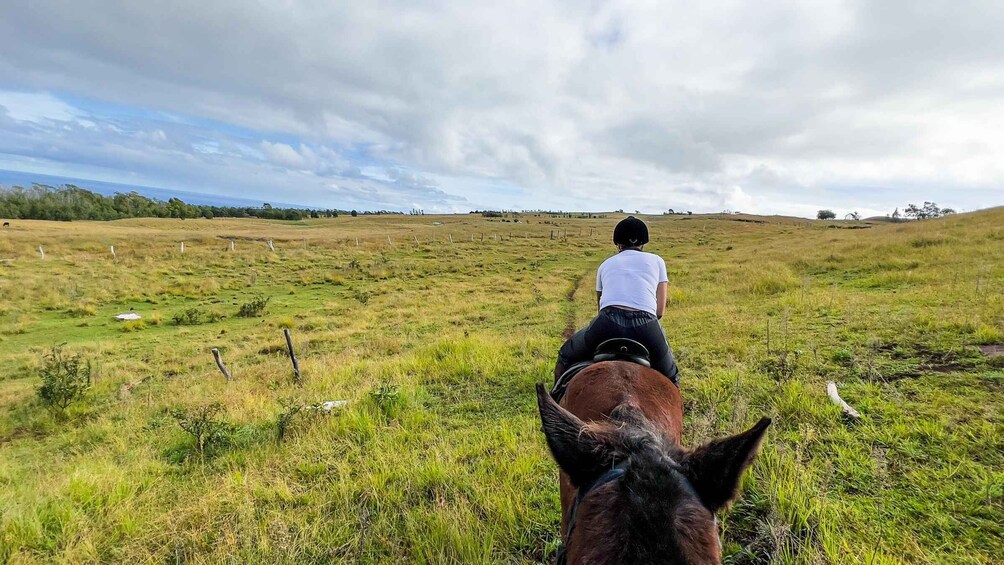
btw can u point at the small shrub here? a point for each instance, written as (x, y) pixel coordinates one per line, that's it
(189, 317)
(204, 423)
(65, 379)
(286, 322)
(254, 308)
(293, 411)
(196, 316)
(388, 398)
(155, 319)
(284, 421)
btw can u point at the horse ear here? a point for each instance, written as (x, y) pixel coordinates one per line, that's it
(715, 467)
(581, 454)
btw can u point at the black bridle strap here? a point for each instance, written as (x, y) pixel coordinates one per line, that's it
(607, 477)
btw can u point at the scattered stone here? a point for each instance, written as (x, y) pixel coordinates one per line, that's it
(331, 405)
(128, 316)
(992, 350)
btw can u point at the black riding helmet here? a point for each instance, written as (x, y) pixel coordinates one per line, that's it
(631, 232)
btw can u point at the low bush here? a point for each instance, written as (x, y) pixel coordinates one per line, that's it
(293, 412)
(196, 316)
(65, 379)
(388, 399)
(254, 308)
(204, 423)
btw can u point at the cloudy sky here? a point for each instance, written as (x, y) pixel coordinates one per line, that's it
(765, 107)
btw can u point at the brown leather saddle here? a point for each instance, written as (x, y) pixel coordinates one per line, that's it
(616, 349)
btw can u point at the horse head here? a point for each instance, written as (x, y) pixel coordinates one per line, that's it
(641, 498)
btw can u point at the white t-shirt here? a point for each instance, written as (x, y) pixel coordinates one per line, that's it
(630, 279)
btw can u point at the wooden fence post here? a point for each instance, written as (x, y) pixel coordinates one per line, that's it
(112, 249)
(292, 357)
(232, 246)
(219, 363)
(41, 252)
(182, 246)
(270, 246)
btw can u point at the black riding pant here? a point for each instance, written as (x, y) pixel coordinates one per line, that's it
(611, 322)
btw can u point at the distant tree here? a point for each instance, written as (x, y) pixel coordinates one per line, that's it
(825, 215)
(928, 210)
(853, 216)
(354, 213)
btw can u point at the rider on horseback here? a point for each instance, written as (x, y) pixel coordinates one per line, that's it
(631, 298)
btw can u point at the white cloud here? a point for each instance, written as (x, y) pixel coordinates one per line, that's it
(769, 106)
(36, 107)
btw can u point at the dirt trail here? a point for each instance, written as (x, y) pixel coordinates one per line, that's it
(570, 326)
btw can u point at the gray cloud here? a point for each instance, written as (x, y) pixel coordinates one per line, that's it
(765, 107)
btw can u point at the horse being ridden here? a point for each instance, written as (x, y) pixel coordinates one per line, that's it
(630, 493)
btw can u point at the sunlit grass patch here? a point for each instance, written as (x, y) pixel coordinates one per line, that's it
(988, 335)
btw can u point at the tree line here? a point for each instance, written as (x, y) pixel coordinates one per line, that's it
(911, 212)
(70, 202)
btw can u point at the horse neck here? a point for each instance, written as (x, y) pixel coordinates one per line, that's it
(596, 394)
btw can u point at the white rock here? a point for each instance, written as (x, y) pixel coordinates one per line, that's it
(128, 316)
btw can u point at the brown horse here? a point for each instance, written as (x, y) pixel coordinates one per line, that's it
(630, 493)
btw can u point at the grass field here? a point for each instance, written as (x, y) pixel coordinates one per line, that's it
(436, 345)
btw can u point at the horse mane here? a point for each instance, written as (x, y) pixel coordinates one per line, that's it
(618, 515)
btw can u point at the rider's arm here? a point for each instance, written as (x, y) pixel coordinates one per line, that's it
(599, 293)
(660, 299)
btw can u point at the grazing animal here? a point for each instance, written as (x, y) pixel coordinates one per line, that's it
(630, 493)
(6, 224)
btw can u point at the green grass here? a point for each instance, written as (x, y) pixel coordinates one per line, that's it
(438, 457)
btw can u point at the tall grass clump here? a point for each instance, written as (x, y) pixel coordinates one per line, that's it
(769, 279)
(988, 335)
